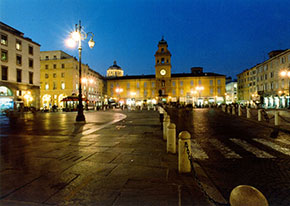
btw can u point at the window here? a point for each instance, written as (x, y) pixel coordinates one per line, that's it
(181, 83)
(210, 82)
(162, 60)
(199, 82)
(62, 85)
(145, 84)
(54, 66)
(128, 85)
(62, 74)
(283, 60)
(173, 92)
(191, 83)
(54, 56)
(4, 39)
(219, 90)
(153, 92)
(4, 71)
(272, 74)
(153, 84)
(30, 77)
(62, 66)
(265, 76)
(145, 93)
(18, 60)
(54, 75)
(162, 50)
(46, 66)
(18, 45)
(54, 86)
(181, 92)
(138, 86)
(173, 83)
(211, 91)
(4, 55)
(30, 63)
(30, 50)
(46, 57)
(18, 75)
(46, 86)
(219, 82)
(46, 76)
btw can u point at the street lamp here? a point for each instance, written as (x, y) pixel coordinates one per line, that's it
(286, 73)
(76, 37)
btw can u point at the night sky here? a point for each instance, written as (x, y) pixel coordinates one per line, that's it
(223, 36)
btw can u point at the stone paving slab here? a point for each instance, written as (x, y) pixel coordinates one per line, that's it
(124, 163)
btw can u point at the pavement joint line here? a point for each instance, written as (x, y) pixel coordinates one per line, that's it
(19, 188)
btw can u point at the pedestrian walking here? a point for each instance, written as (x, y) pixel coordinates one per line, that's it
(161, 113)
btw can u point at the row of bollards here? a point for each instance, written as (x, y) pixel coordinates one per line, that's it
(242, 195)
(232, 110)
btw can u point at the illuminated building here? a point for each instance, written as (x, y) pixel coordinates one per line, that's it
(20, 70)
(60, 79)
(198, 87)
(268, 82)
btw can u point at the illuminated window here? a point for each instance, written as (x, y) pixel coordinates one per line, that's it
(4, 39)
(18, 45)
(62, 85)
(46, 86)
(4, 55)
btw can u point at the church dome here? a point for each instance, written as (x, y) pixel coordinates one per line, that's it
(115, 71)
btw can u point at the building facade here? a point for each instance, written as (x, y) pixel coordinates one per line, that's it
(198, 88)
(20, 70)
(267, 83)
(231, 92)
(60, 80)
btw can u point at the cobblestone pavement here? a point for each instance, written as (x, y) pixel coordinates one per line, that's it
(47, 159)
(235, 151)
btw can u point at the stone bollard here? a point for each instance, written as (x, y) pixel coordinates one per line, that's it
(259, 115)
(248, 113)
(148, 108)
(166, 122)
(154, 108)
(104, 108)
(277, 122)
(233, 110)
(141, 108)
(171, 138)
(245, 195)
(223, 108)
(240, 110)
(183, 161)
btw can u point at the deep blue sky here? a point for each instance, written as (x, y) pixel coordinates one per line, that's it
(223, 36)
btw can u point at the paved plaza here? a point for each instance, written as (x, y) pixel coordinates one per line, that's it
(119, 158)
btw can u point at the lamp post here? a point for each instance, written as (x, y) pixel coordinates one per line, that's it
(286, 73)
(76, 37)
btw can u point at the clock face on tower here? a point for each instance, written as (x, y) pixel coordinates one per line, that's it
(162, 72)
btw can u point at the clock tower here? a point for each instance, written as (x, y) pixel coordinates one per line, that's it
(163, 69)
